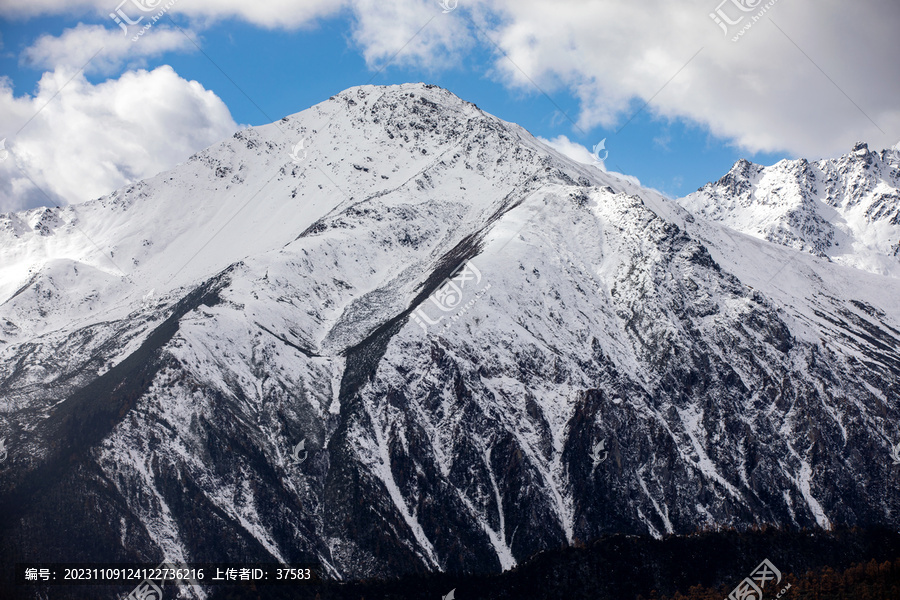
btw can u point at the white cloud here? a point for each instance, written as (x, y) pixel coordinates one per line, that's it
(409, 32)
(75, 47)
(91, 139)
(579, 153)
(761, 92)
(573, 150)
(267, 13)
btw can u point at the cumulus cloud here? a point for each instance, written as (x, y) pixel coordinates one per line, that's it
(76, 47)
(409, 32)
(90, 139)
(579, 153)
(573, 150)
(791, 82)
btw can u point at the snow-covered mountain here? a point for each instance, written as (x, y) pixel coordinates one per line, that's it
(422, 340)
(845, 209)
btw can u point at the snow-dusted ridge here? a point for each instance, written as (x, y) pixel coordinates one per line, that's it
(845, 209)
(736, 381)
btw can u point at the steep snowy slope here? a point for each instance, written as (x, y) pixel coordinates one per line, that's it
(847, 209)
(451, 317)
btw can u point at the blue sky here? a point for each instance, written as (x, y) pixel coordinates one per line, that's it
(630, 92)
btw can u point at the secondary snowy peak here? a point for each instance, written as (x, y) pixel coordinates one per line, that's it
(845, 209)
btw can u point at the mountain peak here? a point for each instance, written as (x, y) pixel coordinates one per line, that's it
(845, 209)
(404, 92)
